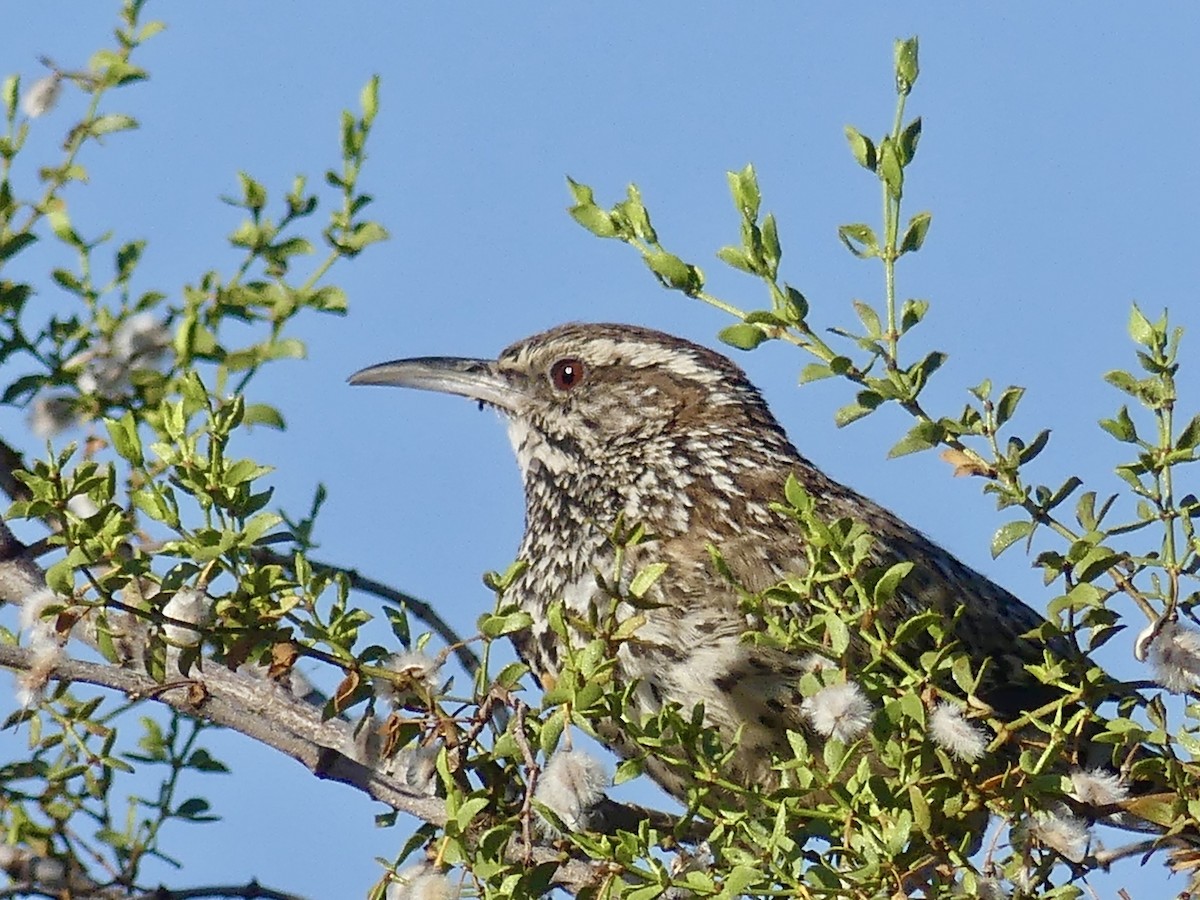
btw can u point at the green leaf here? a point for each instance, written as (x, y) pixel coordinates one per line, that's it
(770, 241)
(674, 272)
(124, 436)
(1007, 404)
(909, 138)
(852, 412)
(1009, 534)
(815, 372)
(60, 577)
(912, 312)
(1190, 436)
(265, 415)
(494, 626)
(583, 195)
(922, 816)
(368, 99)
(743, 186)
(891, 170)
(13, 244)
(594, 219)
(914, 236)
(859, 239)
(1035, 447)
(907, 67)
(552, 729)
(738, 258)
(112, 122)
(9, 92)
(885, 588)
(1140, 328)
(645, 579)
(921, 436)
(795, 493)
(1122, 427)
(794, 305)
(742, 336)
(869, 318)
(862, 147)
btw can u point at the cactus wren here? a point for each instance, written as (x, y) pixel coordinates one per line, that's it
(616, 420)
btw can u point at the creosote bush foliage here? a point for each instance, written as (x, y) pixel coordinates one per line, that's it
(166, 594)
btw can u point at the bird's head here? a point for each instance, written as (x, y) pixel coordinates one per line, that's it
(585, 393)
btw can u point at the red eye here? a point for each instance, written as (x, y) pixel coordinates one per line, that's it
(566, 373)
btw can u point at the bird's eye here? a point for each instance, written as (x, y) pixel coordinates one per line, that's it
(566, 373)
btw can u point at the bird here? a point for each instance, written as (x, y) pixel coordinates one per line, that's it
(618, 423)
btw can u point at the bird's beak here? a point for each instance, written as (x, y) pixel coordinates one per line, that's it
(478, 379)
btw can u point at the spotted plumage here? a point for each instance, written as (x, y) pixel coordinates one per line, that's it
(614, 420)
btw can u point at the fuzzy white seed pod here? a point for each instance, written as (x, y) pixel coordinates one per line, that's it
(420, 771)
(33, 608)
(140, 341)
(421, 882)
(571, 784)
(42, 95)
(815, 662)
(50, 414)
(83, 506)
(189, 606)
(955, 734)
(1060, 830)
(1097, 787)
(1175, 656)
(419, 679)
(986, 888)
(839, 711)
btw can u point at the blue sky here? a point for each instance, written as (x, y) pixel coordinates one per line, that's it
(1058, 160)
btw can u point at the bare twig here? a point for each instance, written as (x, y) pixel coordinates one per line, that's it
(259, 710)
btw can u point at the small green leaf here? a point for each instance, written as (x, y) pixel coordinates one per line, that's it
(891, 170)
(862, 147)
(112, 122)
(674, 272)
(494, 626)
(794, 305)
(907, 67)
(815, 372)
(738, 258)
(914, 236)
(368, 99)
(1140, 328)
(795, 493)
(124, 436)
(912, 312)
(265, 415)
(582, 194)
(885, 588)
(594, 219)
(743, 186)
(1190, 436)
(921, 436)
(12, 245)
(909, 138)
(922, 816)
(742, 336)
(869, 319)
(1121, 427)
(859, 239)
(1009, 534)
(645, 579)
(552, 729)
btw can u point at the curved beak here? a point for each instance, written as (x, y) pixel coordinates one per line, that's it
(478, 379)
